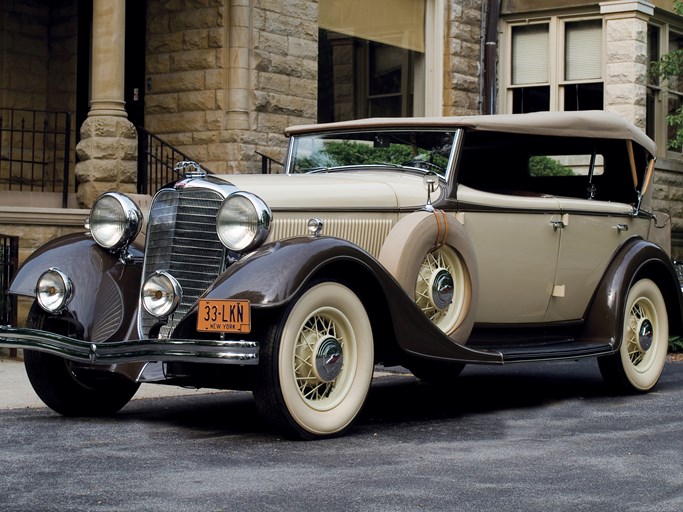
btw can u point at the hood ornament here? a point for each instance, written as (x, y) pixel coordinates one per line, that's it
(189, 169)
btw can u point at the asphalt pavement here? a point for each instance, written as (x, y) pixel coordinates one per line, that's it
(16, 391)
(531, 438)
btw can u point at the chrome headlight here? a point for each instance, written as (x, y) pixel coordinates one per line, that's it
(161, 294)
(114, 221)
(54, 290)
(243, 221)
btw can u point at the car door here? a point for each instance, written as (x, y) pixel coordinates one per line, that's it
(592, 232)
(516, 240)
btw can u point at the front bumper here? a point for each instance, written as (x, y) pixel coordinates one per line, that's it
(240, 352)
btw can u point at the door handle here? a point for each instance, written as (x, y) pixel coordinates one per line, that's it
(557, 224)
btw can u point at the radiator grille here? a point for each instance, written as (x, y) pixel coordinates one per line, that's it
(182, 240)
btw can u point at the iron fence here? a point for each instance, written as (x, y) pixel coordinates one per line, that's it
(156, 160)
(267, 163)
(9, 260)
(35, 151)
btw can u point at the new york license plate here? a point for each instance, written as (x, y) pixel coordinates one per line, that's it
(224, 316)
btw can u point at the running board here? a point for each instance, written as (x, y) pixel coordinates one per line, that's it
(565, 349)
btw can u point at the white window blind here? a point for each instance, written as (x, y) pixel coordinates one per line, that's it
(530, 54)
(583, 50)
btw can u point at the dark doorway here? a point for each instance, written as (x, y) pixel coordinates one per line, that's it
(83, 64)
(134, 96)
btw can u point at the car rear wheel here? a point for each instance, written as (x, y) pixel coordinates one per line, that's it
(69, 390)
(642, 353)
(316, 367)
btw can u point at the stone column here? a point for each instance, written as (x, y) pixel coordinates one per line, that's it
(107, 151)
(239, 48)
(626, 57)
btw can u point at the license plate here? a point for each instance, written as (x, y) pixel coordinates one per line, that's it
(224, 316)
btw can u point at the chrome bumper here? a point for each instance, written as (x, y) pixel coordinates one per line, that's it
(239, 352)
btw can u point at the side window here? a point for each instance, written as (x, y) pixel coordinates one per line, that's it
(537, 166)
(566, 165)
(578, 170)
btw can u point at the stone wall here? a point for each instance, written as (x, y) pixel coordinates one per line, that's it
(462, 58)
(38, 46)
(24, 54)
(227, 78)
(667, 196)
(626, 66)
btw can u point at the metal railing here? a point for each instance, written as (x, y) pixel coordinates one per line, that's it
(9, 261)
(267, 163)
(156, 160)
(35, 151)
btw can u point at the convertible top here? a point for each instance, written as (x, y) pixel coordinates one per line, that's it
(593, 123)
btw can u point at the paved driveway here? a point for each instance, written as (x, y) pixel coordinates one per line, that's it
(520, 438)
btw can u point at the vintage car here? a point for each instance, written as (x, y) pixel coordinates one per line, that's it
(430, 243)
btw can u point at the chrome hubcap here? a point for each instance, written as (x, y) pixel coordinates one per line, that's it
(329, 359)
(442, 289)
(645, 334)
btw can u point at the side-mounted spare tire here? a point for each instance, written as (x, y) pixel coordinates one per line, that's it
(431, 256)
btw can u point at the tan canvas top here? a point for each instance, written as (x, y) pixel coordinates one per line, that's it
(594, 124)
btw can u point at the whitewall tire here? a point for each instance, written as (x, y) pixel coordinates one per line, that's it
(645, 336)
(316, 368)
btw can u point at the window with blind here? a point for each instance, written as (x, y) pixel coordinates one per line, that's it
(538, 82)
(530, 71)
(664, 96)
(583, 87)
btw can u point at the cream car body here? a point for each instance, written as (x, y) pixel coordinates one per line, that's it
(429, 243)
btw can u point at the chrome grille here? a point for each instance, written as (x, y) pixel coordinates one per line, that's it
(182, 240)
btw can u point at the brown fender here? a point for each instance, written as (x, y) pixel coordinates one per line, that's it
(636, 259)
(274, 274)
(105, 290)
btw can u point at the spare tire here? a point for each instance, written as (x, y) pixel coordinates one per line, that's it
(431, 256)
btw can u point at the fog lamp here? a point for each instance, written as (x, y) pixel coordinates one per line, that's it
(161, 294)
(54, 290)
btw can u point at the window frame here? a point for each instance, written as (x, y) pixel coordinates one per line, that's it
(661, 91)
(422, 92)
(557, 26)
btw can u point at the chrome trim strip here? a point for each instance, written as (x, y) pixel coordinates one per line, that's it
(242, 352)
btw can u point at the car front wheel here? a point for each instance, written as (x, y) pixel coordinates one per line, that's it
(642, 353)
(316, 367)
(68, 389)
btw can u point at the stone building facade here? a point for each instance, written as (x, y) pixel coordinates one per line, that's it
(221, 79)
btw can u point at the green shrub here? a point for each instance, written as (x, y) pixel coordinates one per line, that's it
(676, 344)
(546, 166)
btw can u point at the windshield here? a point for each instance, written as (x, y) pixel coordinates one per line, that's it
(418, 151)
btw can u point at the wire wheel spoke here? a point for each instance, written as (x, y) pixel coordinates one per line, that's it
(316, 329)
(640, 312)
(440, 287)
